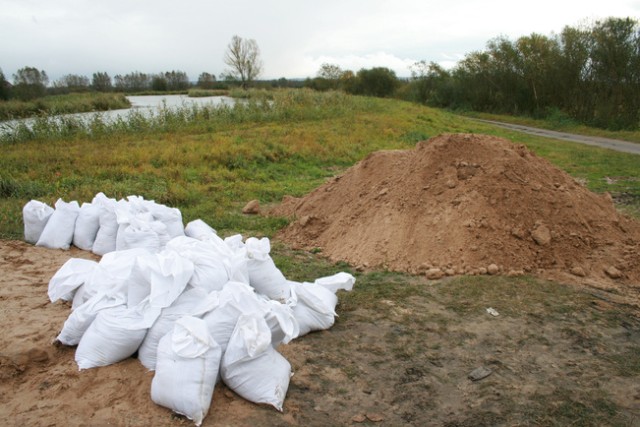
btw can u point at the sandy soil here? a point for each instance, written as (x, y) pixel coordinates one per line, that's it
(556, 355)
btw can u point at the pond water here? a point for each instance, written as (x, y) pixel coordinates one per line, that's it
(146, 103)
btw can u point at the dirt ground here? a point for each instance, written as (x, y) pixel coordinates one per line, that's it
(400, 353)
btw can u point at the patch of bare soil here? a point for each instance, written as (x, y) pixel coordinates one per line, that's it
(400, 353)
(469, 204)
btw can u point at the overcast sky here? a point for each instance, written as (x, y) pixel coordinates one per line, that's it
(295, 37)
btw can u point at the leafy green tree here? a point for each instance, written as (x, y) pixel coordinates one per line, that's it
(377, 81)
(101, 82)
(159, 83)
(5, 87)
(330, 71)
(243, 58)
(132, 82)
(72, 82)
(206, 81)
(176, 80)
(29, 83)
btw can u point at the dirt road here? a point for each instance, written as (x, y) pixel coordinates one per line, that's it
(612, 144)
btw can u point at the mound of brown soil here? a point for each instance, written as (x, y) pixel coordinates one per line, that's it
(467, 204)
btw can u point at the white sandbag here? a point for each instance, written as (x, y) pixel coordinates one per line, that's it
(264, 276)
(170, 217)
(338, 281)
(82, 316)
(115, 334)
(80, 296)
(144, 233)
(187, 368)
(210, 260)
(282, 322)
(111, 274)
(58, 232)
(313, 306)
(239, 270)
(251, 367)
(235, 299)
(198, 229)
(69, 277)
(184, 305)
(105, 241)
(87, 226)
(35, 215)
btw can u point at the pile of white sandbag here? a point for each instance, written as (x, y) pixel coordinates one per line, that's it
(195, 308)
(102, 226)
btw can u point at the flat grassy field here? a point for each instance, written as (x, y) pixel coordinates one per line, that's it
(210, 162)
(402, 346)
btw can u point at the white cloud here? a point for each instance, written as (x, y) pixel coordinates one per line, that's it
(119, 36)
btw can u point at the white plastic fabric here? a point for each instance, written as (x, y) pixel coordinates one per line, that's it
(198, 229)
(168, 274)
(211, 260)
(185, 304)
(81, 318)
(35, 215)
(144, 233)
(282, 322)
(339, 281)
(58, 232)
(251, 367)
(170, 217)
(235, 299)
(69, 277)
(112, 273)
(105, 241)
(264, 276)
(187, 368)
(115, 334)
(313, 306)
(87, 226)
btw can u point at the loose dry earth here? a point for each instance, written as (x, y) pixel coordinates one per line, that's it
(469, 204)
(403, 348)
(399, 354)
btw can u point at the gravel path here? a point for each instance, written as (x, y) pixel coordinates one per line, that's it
(612, 144)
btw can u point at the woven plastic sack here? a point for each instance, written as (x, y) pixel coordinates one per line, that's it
(187, 368)
(35, 215)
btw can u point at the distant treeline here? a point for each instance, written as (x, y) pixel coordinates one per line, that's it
(590, 74)
(30, 83)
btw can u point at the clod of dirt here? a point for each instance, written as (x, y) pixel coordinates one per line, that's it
(613, 272)
(359, 418)
(578, 271)
(251, 208)
(434, 274)
(508, 207)
(479, 373)
(493, 269)
(375, 417)
(541, 235)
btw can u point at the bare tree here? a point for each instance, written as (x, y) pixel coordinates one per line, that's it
(243, 56)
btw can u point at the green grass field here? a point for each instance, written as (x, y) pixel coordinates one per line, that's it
(209, 162)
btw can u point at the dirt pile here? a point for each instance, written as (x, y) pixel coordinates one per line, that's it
(467, 204)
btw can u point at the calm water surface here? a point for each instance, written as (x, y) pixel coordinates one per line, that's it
(148, 103)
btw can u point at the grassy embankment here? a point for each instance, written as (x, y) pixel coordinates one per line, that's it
(63, 104)
(209, 162)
